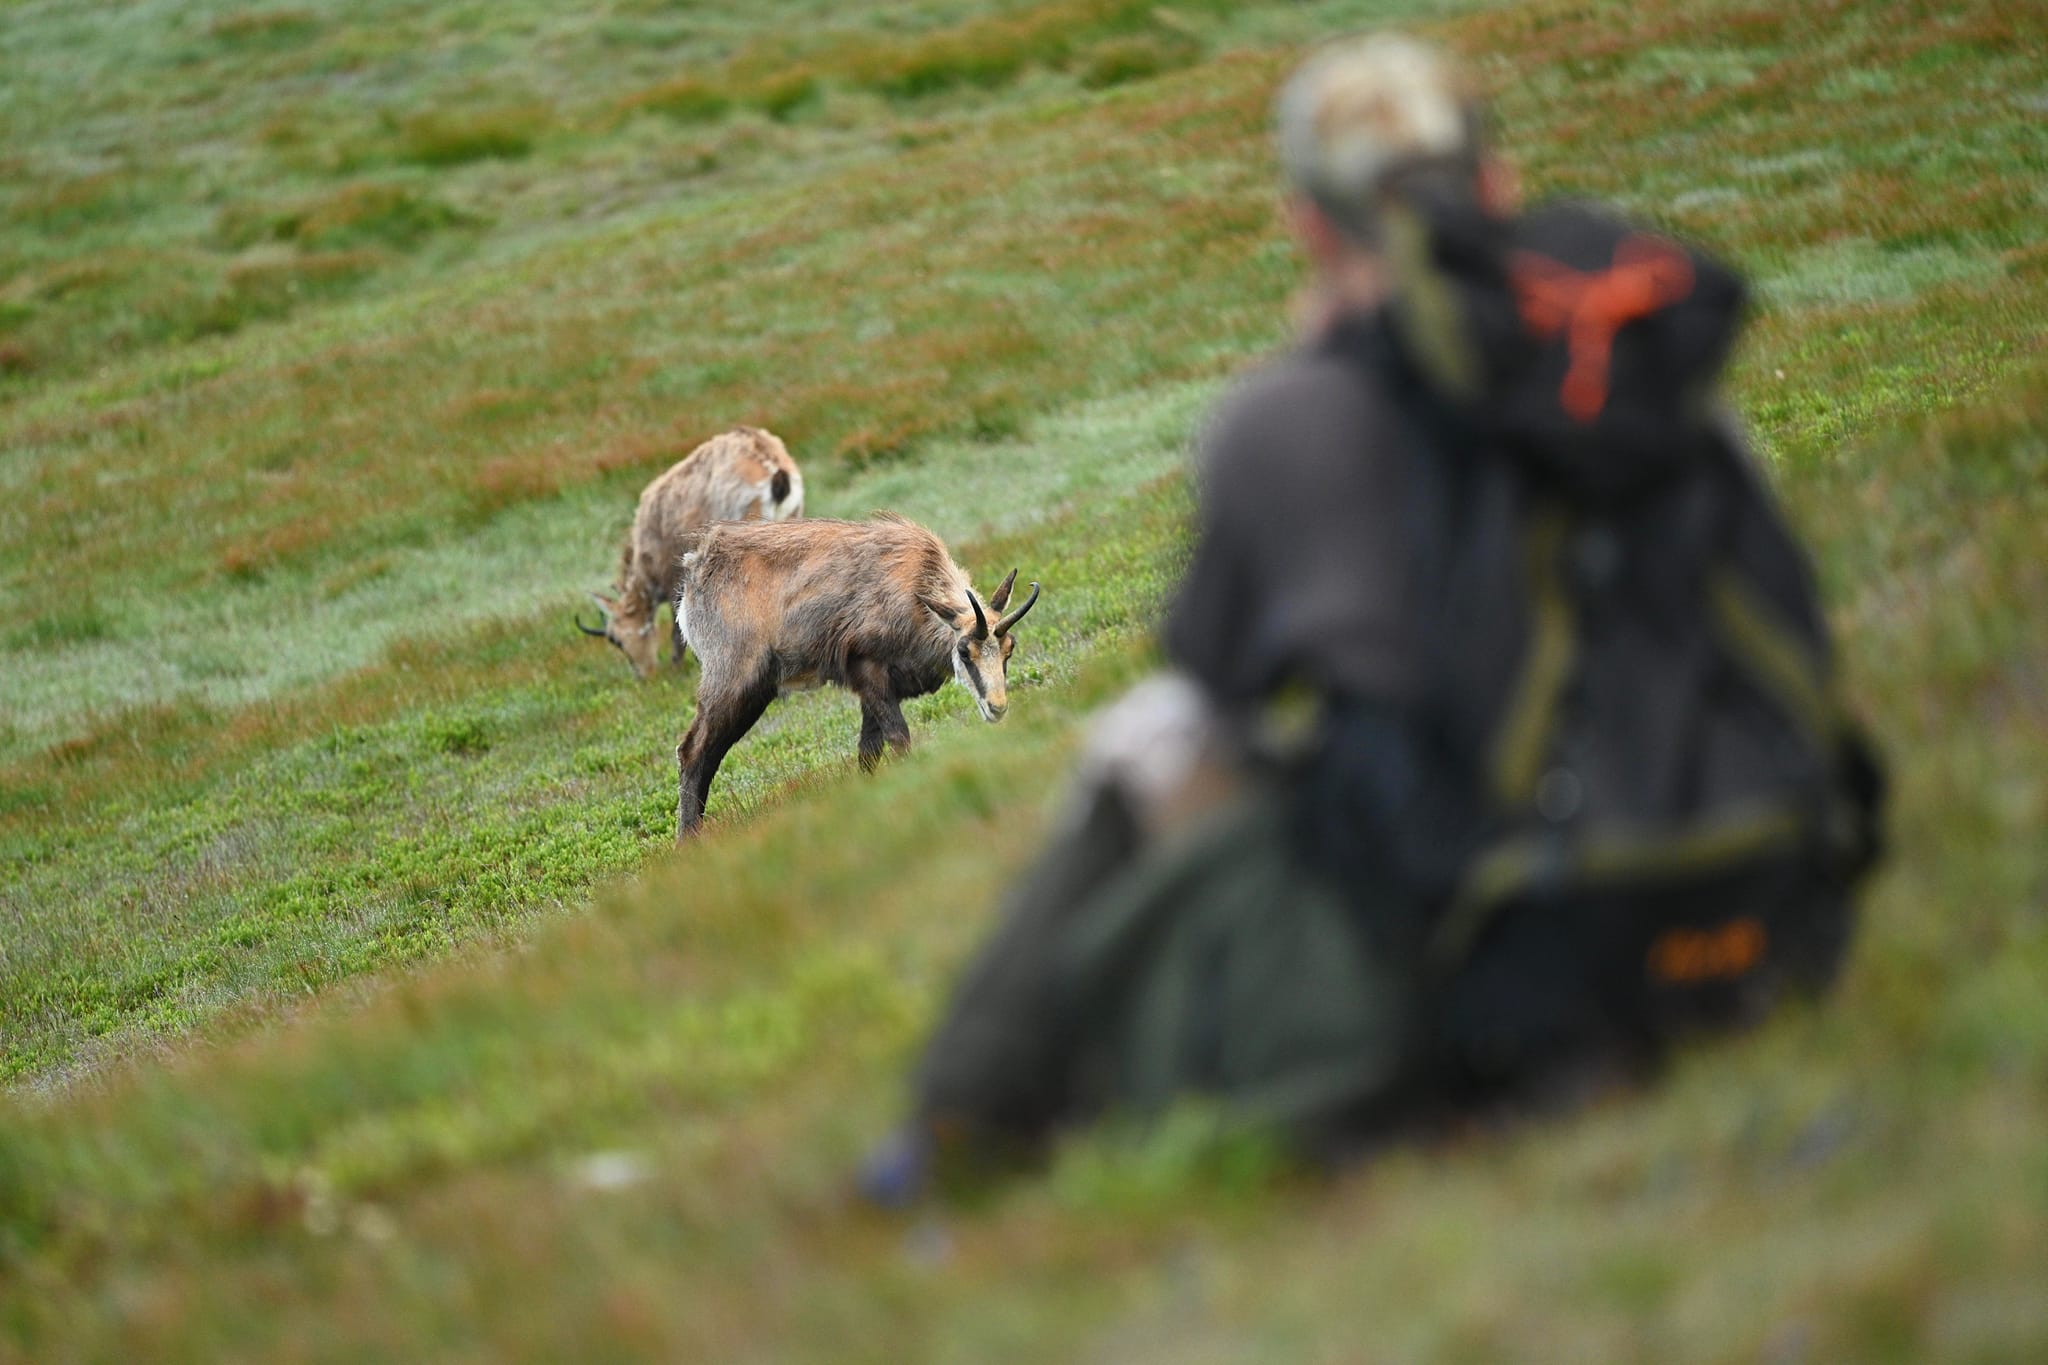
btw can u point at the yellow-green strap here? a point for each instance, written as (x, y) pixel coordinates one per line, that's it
(1609, 857)
(1782, 663)
(1431, 317)
(1518, 750)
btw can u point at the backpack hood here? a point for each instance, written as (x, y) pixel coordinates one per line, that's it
(1586, 345)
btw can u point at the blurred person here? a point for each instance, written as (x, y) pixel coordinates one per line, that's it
(1501, 744)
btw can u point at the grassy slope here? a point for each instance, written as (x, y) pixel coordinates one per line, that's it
(400, 1174)
(301, 491)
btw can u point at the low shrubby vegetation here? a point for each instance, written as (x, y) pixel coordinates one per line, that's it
(1105, 42)
(351, 1003)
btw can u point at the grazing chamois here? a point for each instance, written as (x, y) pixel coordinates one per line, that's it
(745, 474)
(876, 607)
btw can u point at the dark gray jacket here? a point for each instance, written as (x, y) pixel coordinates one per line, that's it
(1303, 571)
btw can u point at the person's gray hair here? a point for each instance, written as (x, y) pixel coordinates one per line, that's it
(1363, 109)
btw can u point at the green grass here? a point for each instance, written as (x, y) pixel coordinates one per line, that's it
(343, 967)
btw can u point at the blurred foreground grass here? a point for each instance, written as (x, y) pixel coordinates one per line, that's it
(351, 1004)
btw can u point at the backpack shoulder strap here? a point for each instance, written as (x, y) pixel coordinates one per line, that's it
(1525, 731)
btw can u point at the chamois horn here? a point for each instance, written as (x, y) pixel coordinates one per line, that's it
(604, 618)
(1003, 626)
(1000, 598)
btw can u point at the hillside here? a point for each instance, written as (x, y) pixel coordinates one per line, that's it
(352, 1002)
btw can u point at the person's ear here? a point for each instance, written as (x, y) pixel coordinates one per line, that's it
(1312, 227)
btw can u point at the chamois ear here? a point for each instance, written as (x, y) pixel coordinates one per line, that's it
(1000, 598)
(950, 615)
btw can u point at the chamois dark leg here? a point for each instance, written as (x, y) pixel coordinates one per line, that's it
(722, 720)
(881, 722)
(676, 643)
(881, 715)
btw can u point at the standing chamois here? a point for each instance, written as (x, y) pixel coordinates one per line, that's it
(745, 474)
(876, 607)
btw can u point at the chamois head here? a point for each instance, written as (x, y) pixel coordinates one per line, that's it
(629, 624)
(981, 653)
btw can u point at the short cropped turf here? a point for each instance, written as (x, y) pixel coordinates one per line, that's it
(353, 1003)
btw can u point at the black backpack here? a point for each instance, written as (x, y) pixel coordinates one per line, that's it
(1642, 808)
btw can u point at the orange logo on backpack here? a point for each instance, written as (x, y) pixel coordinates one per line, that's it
(1590, 308)
(1688, 956)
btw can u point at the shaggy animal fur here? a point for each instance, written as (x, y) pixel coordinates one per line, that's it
(745, 474)
(876, 607)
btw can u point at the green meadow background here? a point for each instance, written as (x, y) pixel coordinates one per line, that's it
(353, 1003)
